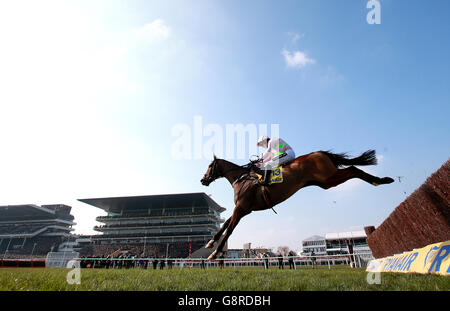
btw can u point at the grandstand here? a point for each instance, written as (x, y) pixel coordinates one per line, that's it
(155, 225)
(31, 230)
(347, 242)
(339, 243)
(316, 244)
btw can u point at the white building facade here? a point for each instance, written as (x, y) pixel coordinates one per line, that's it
(339, 245)
(316, 244)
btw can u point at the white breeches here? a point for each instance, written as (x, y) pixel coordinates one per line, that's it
(288, 156)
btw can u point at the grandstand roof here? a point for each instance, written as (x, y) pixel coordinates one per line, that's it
(32, 211)
(314, 238)
(118, 204)
(32, 214)
(23, 211)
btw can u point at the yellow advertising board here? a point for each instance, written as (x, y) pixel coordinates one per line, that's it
(433, 258)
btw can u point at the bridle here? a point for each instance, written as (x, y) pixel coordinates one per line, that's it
(212, 174)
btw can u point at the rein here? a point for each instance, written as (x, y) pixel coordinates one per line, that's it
(240, 178)
(246, 167)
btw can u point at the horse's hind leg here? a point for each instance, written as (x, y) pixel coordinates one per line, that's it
(342, 175)
(374, 180)
(219, 233)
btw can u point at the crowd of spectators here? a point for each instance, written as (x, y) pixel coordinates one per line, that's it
(174, 250)
(127, 262)
(152, 255)
(21, 256)
(29, 247)
(11, 229)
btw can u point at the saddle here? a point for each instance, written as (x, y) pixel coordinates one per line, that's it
(276, 176)
(254, 172)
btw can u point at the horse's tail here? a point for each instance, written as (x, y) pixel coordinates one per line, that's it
(341, 159)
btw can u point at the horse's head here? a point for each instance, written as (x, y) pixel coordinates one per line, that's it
(212, 173)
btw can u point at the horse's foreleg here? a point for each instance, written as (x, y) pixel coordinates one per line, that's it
(234, 220)
(342, 175)
(219, 233)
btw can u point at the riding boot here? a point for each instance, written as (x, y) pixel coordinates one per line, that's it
(266, 178)
(257, 170)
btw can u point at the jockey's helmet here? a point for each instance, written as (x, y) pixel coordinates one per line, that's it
(262, 141)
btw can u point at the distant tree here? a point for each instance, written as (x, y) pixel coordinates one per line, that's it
(292, 253)
(283, 250)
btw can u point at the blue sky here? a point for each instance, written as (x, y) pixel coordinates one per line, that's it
(91, 91)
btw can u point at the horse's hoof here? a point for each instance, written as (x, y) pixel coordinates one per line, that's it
(212, 256)
(210, 244)
(387, 180)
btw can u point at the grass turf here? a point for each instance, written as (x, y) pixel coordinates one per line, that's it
(339, 278)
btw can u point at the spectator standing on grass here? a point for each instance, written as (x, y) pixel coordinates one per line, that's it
(155, 263)
(169, 263)
(202, 263)
(146, 262)
(135, 262)
(313, 259)
(132, 261)
(221, 261)
(161, 263)
(291, 261)
(142, 261)
(266, 261)
(280, 261)
(126, 262)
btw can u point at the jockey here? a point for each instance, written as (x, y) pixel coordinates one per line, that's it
(278, 153)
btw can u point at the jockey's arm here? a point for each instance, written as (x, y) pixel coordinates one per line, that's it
(266, 157)
(278, 153)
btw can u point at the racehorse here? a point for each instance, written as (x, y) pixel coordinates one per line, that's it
(321, 168)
